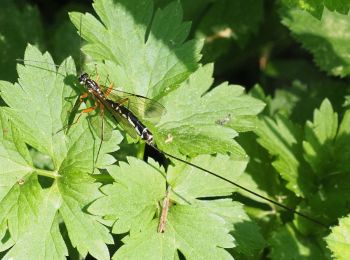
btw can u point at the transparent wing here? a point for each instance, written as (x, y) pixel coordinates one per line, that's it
(143, 107)
(123, 122)
(101, 126)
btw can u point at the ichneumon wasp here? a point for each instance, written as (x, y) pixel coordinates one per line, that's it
(124, 107)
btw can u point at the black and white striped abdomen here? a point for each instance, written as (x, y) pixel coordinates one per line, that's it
(140, 128)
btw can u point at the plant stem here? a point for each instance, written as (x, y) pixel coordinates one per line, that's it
(50, 174)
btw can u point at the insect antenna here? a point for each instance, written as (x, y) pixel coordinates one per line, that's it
(24, 61)
(36, 61)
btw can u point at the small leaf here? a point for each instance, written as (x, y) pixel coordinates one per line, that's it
(319, 136)
(327, 39)
(339, 239)
(283, 140)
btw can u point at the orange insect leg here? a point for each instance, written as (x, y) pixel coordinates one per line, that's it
(109, 90)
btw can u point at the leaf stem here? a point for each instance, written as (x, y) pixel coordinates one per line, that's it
(141, 151)
(50, 174)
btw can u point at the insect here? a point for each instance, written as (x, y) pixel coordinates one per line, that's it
(124, 108)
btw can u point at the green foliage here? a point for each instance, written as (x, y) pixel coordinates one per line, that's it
(326, 39)
(338, 240)
(50, 96)
(160, 60)
(314, 163)
(132, 209)
(12, 44)
(298, 247)
(29, 210)
(316, 7)
(287, 139)
(228, 15)
(193, 113)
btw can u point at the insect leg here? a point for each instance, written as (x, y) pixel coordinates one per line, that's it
(74, 110)
(109, 90)
(97, 75)
(123, 101)
(86, 110)
(102, 113)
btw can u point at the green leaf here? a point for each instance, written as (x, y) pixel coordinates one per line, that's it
(287, 243)
(211, 118)
(283, 140)
(326, 150)
(319, 136)
(327, 39)
(37, 226)
(308, 88)
(342, 148)
(25, 21)
(39, 89)
(191, 183)
(144, 55)
(133, 198)
(35, 201)
(133, 202)
(196, 233)
(246, 233)
(325, 142)
(315, 7)
(339, 239)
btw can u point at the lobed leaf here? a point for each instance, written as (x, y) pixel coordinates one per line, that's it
(144, 55)
(212, 118)
(33, 206)
(283, 140)
(319, 136)
(327, 39)
(132, 202)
